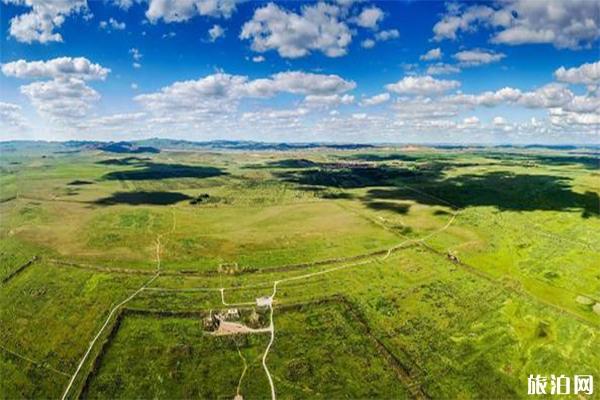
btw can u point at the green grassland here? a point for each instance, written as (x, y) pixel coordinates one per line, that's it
(399, 273)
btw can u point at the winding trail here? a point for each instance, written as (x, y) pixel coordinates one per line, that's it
(266, 353)
(270, 329)
(239, 386)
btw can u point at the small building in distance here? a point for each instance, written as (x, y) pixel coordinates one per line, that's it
(264, 301)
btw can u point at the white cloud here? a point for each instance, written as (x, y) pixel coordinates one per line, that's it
(326, 101)
(368, 43)
(135, 54)
(442, 69)
(183, 10)
(65, 94)
(61, 99)
(390, 34)
(471, 121)
(123, 4)
(222, 91)
(216, 32)
(258, 59)
(298, 82)
(586, 74)
(11, 116)
(548, 96)
(78, 67)
(424, 108)
(433, 54)
(280, 115)
(471, 58)
(316, 28)
(565, 24)
(499, 121)
(375, 100)
(112, 24)
(381, 36)
(40, 22)
(422, 85)
(134, 86)
(370, 17)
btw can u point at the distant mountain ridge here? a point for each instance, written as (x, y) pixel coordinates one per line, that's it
(156, 145)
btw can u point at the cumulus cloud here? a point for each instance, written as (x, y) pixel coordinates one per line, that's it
(222, 91)
(326, 101)
(471, 121)
(368, 43)
(61, 67)
(61, 99)
(317, 28)
(586, 74)
(381, 36)
(433, 54)
(499, 121)
(216, 32)
(471, 58)
(442, 69)
(11, 116)
(422, 85)
(135, 54)
(375, 100)
(560, 102)
(564, 24)
(112, 24)
(183, 10)
(258, 59)
(390, 34)
(64, 94)
(42, 19)
(370, 17)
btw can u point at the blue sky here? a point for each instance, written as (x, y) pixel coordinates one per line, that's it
(517, 71)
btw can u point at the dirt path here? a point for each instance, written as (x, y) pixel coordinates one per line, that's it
(95, 339)
(116, 308)
(238, 395)
(266, 353)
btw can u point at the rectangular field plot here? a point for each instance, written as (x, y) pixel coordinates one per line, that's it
(47, 317)
(322, 351)
(170, 357)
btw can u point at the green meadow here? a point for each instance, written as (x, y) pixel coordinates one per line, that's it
(394, 272)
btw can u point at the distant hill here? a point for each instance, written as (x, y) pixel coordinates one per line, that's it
(245, 145)
(127, 147)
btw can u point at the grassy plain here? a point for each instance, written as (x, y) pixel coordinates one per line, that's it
(402, 273)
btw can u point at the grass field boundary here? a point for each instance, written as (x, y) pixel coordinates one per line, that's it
(18, 270)
(33, 362)
(95, 364)
(405, 373)
(257, 271)
(518, 290)
(116, 309)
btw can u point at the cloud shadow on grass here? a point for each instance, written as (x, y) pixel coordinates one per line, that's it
(147, 170)
(143, 198)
